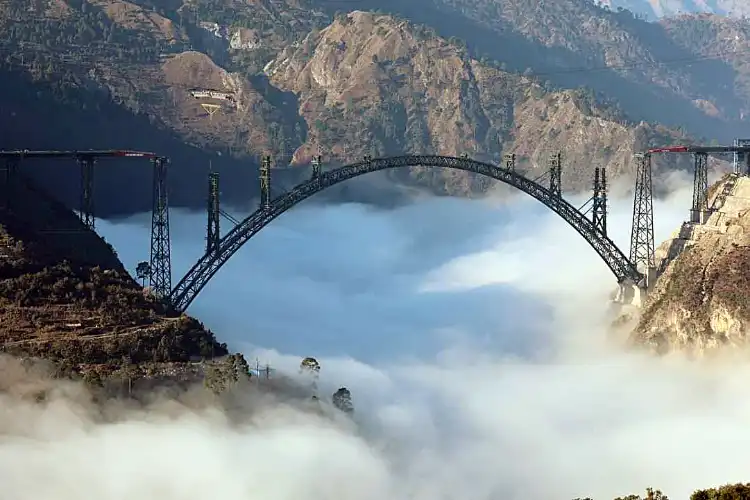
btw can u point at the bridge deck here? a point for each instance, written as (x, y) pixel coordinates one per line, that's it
(106, 153)
(701, 149)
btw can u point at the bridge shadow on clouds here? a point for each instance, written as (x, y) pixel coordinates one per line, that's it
(353, 280)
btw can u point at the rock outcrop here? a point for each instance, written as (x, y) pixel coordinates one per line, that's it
(374, 84)
(701, 302)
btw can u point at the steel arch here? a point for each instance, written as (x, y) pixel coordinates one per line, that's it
(207, 266)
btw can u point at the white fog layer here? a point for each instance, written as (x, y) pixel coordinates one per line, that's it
(473, 337)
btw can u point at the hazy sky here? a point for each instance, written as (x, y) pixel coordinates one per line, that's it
(471, 335)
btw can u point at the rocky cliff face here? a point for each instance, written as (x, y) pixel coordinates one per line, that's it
(700, 302)
(373, 84)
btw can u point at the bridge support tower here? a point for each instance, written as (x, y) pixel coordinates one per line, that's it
(599, 211)
(699, 211)
(213, 233)
(87, 191)
(317, 165)
(555, 174)
(741, 161)
(265, 183)
(642, 231)
(161, 265)
(509, 161)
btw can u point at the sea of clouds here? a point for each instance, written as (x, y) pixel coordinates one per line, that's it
(473, 336)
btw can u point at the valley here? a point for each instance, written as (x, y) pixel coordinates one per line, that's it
(495, 310)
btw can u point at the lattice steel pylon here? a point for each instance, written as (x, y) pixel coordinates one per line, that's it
(599, 209)
(642, 231)
(555, 173)
(160, 280)
(213, 232)
(265, 183)
(87, 191)
(741, 161)
(317, 165)
(700, 186)
(509, 161)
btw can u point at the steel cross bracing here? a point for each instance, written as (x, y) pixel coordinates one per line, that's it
(599, 208)
(555, 174)
(160, 280)
(213, 228)
(642, 235)
(700, 181)
(192, 283)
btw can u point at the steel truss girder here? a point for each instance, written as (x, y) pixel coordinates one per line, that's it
(208, 265)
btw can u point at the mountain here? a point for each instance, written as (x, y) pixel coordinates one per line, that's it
(121, 73)
(571, 42)
(700, 301)
(654, 9)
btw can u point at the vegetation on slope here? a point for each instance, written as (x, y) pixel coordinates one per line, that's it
(64, 296)
(699, 302)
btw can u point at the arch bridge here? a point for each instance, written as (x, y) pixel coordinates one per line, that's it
(220, 249)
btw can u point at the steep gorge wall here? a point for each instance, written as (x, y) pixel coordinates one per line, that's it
(701, 301)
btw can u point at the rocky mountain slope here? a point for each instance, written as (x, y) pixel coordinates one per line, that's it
(65, 296)
(296, 75)
(574, 43)
(700, 302)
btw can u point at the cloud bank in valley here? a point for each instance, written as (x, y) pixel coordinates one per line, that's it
(471, 334)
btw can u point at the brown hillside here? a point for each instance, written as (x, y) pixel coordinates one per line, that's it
(700, 302)
(131, 16)
(372, 84)
(66, 297)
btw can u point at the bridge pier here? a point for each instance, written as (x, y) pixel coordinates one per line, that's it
(599, 210)
(317, 163)
(634, 294)
(160, 279)
(87, 191)
(213, 234)
(741, 160)
(509, 161)
(555, 174)
(699, 212)
(265, 183)
(631, 294)
(642, 230)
